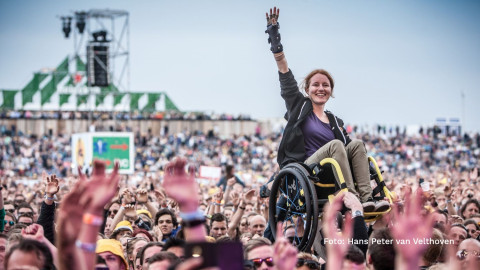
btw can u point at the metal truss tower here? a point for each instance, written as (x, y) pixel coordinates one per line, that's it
(115, 25)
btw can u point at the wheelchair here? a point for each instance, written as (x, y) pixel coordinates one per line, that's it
(299, 191)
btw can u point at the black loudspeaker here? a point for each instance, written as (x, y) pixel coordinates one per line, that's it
(98, 65)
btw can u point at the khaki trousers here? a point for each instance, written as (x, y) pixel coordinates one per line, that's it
(356, 155)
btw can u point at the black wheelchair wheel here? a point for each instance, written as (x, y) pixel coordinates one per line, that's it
(315, 205)
(291, 198)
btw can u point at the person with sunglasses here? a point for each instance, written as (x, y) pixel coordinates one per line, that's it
(113, 209)
(260, 252)
(8, 222)
(306, 261)
(469, 254)
(473, 228)
(25, 219)
(25, 209)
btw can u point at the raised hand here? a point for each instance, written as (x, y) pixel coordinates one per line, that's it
(127, 196)
(455, 219)
(337, 250)
(351, 202)
(158, 232)
(142, 196)
(161, 197)
(285, 255)
(34, 231)
(180, 185)
(51, 184)
(273, 17)
(171, 203)
(448, 191)
(218, 195)
(130, 212)
(249, 196)
(101, 188)
(69, 220)
(410, 226)
(235, 198)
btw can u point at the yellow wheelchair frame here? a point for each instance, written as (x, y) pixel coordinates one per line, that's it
(369, 216)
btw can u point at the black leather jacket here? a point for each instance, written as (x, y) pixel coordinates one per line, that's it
(292, 146)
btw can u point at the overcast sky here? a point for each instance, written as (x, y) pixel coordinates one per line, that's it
(394, 62)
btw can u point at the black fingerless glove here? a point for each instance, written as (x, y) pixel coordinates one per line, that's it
(274, 38)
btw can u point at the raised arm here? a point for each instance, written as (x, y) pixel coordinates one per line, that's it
(47, 214)
(80, 217)
(274, 39)
(142, 198)
(181, 187)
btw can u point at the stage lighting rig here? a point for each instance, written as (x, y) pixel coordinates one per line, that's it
(80, 21)
(66, 25)
(100, 36)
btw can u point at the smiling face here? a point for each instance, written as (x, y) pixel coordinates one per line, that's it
(319, 89)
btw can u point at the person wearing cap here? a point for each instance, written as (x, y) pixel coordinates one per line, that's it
(144, 212)
(123, 228)
(137, 218)
(111, 251)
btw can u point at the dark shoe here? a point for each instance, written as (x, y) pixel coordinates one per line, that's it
(368, 207)
(381, 206)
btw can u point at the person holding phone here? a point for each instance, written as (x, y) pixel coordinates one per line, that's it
(313, 133)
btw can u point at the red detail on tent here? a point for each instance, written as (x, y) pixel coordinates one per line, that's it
(77, 78)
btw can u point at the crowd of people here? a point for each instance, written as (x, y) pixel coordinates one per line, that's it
(112, 115)
(142, 219)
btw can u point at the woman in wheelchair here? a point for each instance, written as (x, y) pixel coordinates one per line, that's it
(313, 133)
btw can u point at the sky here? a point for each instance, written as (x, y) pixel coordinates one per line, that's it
(394, 62)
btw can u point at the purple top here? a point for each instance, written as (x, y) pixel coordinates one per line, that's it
(316, 134)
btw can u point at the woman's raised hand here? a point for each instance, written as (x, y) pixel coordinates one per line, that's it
(273, 17)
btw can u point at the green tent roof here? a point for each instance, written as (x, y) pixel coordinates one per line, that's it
(53, 83)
